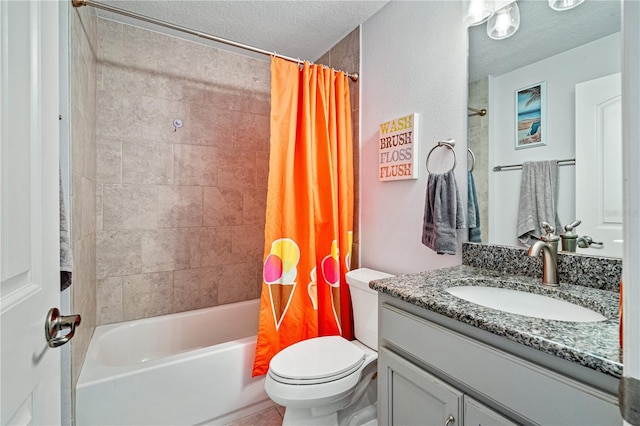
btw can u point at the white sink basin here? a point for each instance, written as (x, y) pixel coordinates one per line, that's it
(523, 303)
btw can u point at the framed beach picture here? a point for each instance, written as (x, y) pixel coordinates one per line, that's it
(531, 123)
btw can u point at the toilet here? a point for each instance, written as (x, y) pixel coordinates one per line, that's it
(330, 380)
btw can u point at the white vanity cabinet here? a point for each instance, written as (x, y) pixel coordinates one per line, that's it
(429, 370)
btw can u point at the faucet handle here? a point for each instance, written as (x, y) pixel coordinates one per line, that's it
(550, 237)
(570, 227)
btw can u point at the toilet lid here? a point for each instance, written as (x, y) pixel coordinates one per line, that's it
(317, 360)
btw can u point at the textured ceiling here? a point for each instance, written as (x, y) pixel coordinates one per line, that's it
(306, 29)
(300, 29)
(543, 32)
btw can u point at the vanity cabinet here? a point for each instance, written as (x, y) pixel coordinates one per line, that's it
(429, 370)
(415, 397)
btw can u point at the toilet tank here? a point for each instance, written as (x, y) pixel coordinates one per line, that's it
(365, 304)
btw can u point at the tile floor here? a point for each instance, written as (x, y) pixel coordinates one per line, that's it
(272, 416)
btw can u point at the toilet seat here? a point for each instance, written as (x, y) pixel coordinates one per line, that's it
(316, 361)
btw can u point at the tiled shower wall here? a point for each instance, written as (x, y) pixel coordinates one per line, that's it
(479, 144)
(180, 210)
(345, 56)
(82, 68)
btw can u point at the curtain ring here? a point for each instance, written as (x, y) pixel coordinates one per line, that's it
(449, 143)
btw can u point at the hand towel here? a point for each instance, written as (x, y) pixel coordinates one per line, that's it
(473, 211)
(538, 200)
(66, 258)
(443, 213)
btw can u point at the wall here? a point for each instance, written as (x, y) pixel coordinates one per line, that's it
(479, 144)
(561, 72)
(180, 211)
(413, 60)
(83, 24)
(345, 55)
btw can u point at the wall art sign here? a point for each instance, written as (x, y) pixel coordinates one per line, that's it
(398, 141)
(531, 120)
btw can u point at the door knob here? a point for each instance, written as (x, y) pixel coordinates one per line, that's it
(56, 323)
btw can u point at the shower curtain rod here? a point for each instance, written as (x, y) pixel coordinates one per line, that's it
(79, 3)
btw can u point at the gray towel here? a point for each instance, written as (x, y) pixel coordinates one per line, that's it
(443, 213)
(66, 259)
(473, 211)
(538, 200)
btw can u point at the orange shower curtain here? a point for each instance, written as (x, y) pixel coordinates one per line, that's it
(308, 231)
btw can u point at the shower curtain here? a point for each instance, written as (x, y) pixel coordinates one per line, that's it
(308, 231)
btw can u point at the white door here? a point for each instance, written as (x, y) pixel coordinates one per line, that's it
(599, 164)
(29, 225)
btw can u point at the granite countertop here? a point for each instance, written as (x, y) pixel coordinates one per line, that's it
(593, 345)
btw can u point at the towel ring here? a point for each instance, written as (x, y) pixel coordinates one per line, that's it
(473, 160)
(449, 143)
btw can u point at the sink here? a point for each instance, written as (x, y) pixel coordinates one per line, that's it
(523, 303)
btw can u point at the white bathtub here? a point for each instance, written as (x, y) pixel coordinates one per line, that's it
(181, 369)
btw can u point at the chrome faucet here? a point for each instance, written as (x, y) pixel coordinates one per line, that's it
(548, 245)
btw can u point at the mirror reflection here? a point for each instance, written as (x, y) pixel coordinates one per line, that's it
(568, 63)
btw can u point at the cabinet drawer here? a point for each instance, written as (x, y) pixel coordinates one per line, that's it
(540, 395)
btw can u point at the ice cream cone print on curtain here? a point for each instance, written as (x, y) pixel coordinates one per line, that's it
(308, 230)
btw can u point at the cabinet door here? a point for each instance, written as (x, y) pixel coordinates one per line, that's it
(409, 395)
(478, 414)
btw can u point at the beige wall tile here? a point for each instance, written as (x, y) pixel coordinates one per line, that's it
(254, 100)
(210, 247)
(147, 295)
(83, 207)
(129, 206)
(124, 78)
(179, 206)
(99, 219)
(248, 240)
(157, 120)
(119, 115)
(162, 250)
(239, 71)
(109, 160)
(254, 206)
(118, 253)
(262, 169)
(109, 301)
(195, 289)
(251, 132)
(236, 282)
(195, 165)
(147, 162)
(211, 125)
(222, 206)
(237, 169)
(184, 90)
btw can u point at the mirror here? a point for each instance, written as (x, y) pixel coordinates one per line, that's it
(561, 49)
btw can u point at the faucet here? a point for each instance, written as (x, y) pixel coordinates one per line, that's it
(548, 245)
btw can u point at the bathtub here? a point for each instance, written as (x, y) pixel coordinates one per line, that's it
(180, 369)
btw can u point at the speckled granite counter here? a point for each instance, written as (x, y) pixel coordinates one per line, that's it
(594, 345)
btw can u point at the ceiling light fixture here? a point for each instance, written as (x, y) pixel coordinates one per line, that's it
(504, 22)
(478, 12)
(561, 5)
(504, 15)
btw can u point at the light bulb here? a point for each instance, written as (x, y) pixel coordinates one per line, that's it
(504, 22)
(479, 11)
(561, 5)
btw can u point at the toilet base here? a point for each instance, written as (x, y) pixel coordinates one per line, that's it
(362, 412)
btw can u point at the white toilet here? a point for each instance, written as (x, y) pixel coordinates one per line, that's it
(330, 380)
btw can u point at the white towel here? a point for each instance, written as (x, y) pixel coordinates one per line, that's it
(443, 213)
(538, 200)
